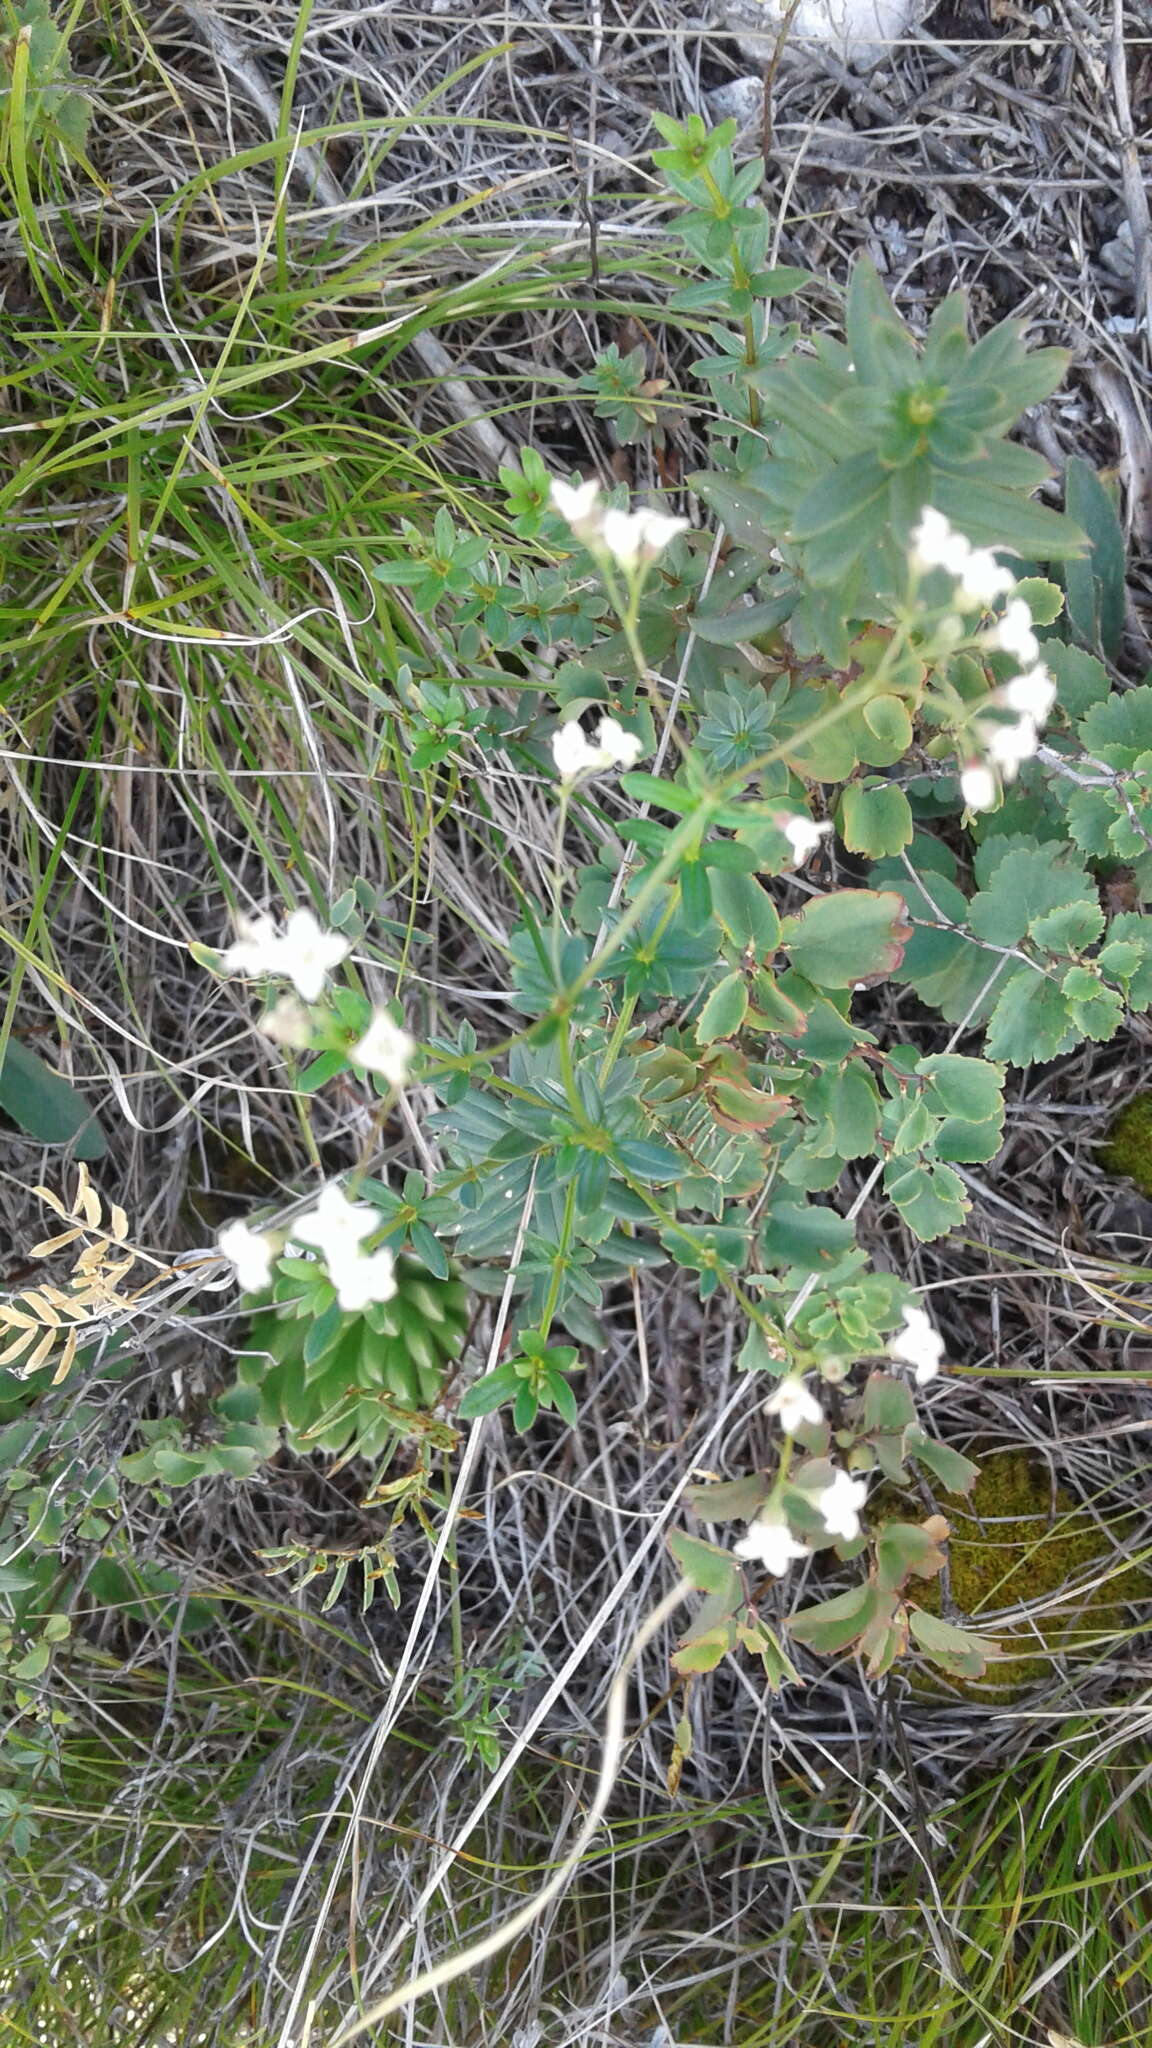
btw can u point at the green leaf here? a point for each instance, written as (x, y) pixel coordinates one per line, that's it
(1095, 1010)
(963, 1087)
(735, 629)
(745, 912)
(956, 1474)
(47, 1106)
(875, 818)
(1030, 1021)
(835, 1623)
(888, 1404)
(889, 721)
(993, 516)
(1028, 881)
(1081, 681)
(705, 1565)
(1095, 587)
(1044, 600)
(955, 1650)
(725, 1010)
(970, 1143)
(802, 1235)
(704, 1652)
(1070, 929)
(907, 1550)
(490, 1393)
(854, 1111)
(849, 936)
(1119, 729)
(931, 1199)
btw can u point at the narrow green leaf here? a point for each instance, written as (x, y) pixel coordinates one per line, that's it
(47, 1106)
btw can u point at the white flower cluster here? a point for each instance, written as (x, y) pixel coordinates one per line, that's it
(769, 1541)
(337, 1228)
(632, 539)
(303, 953)
(979, 577)
(575, 754)
(919, 1345)
(1028, 696)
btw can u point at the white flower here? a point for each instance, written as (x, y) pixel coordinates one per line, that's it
(310, 953)
(937, 545)
(770, 1542)
(840, 1505)
(385, 1049)
(250, 1252)
(983, 579)
(574, 754)
(632, 538)
(580, 506)
(255, 949)
(1031, 695)
(1008, 745)
(794, 1405)
(336, 1226)
(303, 952)
(1013, 632)
(622, 749)
(287, 1023)
(802, 835)
(978, 787)
(919, 1344)
(360, 1279)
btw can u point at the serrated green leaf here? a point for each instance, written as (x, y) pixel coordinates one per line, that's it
(1119, 728)
(875, 819)
(1030, 1021)
(962, 1087)
(1081, 681)
(967, 1142)
(1094, 1010)
(705, 1565)
(955, 1650)
(854, 1111)
(931, 1199)
(1070, 929)
(1027, 882)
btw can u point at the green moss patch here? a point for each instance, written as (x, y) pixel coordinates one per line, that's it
(1128, 1150)
(1012, 1542)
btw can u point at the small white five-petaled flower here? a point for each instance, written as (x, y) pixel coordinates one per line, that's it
(794, 1405)
(633, 539)
(802, 835)
(770, 1542)
(385, 1049)
(575, 754)
(1030, 695)
(918, 1344)
(304, 953)
(840, 1503)
(337, 1228)
(250, 1252)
